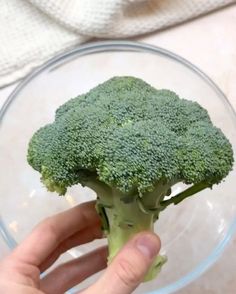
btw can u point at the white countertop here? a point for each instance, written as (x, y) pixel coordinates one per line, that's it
(208, 42)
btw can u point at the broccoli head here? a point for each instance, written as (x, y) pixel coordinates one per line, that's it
(130, 143)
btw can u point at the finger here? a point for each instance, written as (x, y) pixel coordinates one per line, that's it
(73, 272)
(16, 288)
(129, 267)
(52, 231)
(86, 235)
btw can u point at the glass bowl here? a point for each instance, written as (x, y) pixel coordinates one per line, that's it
(194, 233)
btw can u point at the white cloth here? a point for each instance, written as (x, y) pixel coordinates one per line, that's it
(32, 31)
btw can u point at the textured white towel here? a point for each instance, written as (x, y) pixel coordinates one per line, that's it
(32, 31)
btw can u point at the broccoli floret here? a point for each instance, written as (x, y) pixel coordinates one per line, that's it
(130, 143)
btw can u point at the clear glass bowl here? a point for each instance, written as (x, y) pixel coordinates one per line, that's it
(194, 233)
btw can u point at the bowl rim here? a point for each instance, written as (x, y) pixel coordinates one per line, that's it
(124, 45)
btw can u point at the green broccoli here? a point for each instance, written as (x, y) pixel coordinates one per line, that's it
(130, 143)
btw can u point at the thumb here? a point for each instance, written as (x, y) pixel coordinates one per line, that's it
(129, 267)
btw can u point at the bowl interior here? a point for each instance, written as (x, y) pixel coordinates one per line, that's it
(193, 233)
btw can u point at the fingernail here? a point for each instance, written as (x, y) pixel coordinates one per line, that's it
(148, 245)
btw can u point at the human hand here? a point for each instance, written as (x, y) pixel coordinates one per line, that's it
(20, 271)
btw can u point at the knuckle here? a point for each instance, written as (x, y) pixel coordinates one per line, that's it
(48, 228)
(127, 273)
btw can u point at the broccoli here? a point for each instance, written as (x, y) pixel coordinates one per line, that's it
(130, 143)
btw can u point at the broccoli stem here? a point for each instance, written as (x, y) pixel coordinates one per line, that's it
(125, 215)
(126, 220)
(185, 194)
